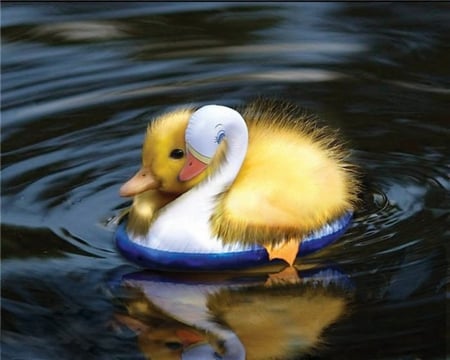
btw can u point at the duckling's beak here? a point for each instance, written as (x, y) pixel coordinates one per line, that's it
(142, 181)
(193, 167)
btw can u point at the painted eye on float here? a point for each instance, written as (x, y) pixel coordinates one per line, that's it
(219, 137)
(176, 154)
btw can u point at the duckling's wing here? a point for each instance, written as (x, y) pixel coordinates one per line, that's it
(287, 185)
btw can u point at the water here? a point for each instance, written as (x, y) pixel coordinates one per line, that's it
(79, 83)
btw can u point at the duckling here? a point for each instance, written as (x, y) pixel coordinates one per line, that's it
(160, 335)
(156, 183)
(270, 177)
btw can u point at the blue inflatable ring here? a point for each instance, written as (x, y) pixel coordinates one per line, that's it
(151, 258)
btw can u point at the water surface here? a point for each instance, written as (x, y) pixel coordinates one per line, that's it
(79, 84)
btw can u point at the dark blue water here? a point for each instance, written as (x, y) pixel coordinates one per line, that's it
(79, 83)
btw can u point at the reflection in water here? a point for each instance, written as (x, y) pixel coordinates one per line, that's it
(231, 317)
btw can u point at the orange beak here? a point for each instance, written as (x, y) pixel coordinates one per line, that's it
(192, 168)
(142, 181)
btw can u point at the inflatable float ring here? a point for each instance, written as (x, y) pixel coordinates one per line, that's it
(235, 258)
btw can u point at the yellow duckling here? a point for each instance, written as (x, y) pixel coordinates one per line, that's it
(156, 183)
(269, 176)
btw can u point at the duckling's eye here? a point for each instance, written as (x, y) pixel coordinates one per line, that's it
(176, 154)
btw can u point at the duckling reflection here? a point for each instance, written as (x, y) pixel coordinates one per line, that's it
(161, 336)
(234, 317)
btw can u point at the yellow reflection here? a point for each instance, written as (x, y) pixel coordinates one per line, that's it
(231, 317)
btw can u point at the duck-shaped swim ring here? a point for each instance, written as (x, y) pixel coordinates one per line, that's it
(221, 189)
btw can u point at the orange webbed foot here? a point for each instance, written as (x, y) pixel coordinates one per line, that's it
(286, 250)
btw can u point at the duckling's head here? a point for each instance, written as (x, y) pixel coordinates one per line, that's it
(163, 157)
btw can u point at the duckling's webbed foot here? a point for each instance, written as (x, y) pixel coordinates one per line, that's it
(285, 250)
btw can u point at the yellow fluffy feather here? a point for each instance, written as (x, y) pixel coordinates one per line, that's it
(295, 178)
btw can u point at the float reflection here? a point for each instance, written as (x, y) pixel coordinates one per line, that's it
(231, 316)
